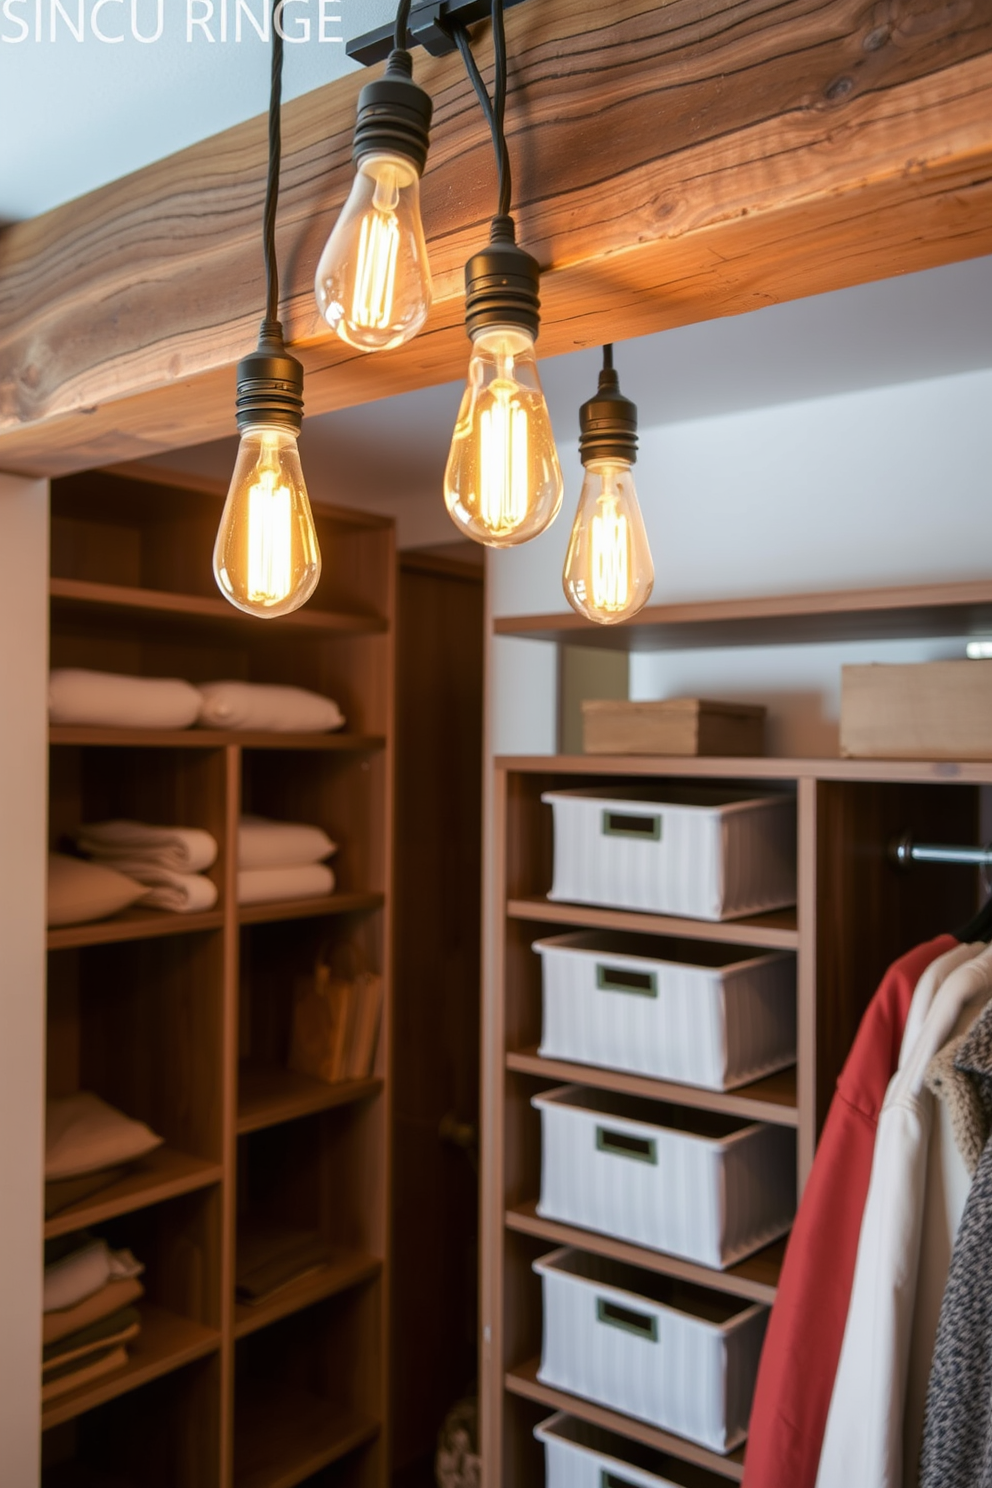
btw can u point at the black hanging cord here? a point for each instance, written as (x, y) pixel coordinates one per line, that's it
(272, 181)
(608, 357)
(402, 16)
(493, 108)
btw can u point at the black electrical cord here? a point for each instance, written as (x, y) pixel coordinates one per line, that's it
(608, 357)
(399, 33)
(272, 180)
(493, 108)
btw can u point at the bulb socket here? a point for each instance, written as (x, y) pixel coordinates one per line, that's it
(270, 383)
(608, 423)
(394, 115)
(502, 284)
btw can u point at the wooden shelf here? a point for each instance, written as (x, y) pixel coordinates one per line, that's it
(777, 619)
(163, 1174)
(166, 1342)
(80, 596)
(269, 1095)
(908, 771)
(133, 924)
(197, 738)
(281, 1439)
(347, 1269)
(755, 1278)
(770, 1099)
(776, 931)
(523, 1381)
(308, 909)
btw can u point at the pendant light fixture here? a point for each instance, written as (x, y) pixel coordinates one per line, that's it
(608, 573)
(373, 283)
(266, 557)
(502, 483)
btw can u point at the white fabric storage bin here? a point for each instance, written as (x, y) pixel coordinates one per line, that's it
(578, 1455)
(716, 1016)
(662, 1350)
(699, 1184)
(681, 850)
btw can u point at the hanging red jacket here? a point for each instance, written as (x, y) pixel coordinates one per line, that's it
(806, 1328)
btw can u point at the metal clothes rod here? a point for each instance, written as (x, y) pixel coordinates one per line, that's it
(904, 851)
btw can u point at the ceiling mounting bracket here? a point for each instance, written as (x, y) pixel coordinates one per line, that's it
(429, 26)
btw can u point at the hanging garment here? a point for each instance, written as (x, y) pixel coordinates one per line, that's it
(806, 1327)
(863, 1440)
(957, 1433)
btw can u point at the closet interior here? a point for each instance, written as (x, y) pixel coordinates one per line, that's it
(183, 1020)
(855, 911)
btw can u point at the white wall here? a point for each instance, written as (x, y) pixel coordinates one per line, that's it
(23, 808)
(876, 487)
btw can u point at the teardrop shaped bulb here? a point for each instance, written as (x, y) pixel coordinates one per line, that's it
(609, 573)
(266, 557)
(502, 484)
(373, 283)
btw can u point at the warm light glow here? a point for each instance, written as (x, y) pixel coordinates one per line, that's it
(266, 557)
(503, 484)
(608, 573)
(269, 546)
(373, 282)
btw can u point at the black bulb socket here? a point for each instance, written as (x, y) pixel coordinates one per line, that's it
(394, 115)
(502, 284)
(608, 423)
(270, 383)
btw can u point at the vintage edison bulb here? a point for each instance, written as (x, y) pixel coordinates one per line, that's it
(373, 282)
(502, 484)
(608, 571)
(266, 558)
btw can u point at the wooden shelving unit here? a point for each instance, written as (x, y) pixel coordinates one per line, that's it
(855, 913)
(183, 1020)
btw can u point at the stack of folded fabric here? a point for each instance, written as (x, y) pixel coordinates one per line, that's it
(114, 700)
(169, 861)
(282, 860)
(89, 1145)
(79, 892)
(270, 1258)
(89, 1312)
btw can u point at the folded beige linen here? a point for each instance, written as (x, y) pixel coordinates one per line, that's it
(118, 1327)
(83, 1134)
(306, 881)
(184, 893)
(79, 891)
(85, 1270)
(109, 1299)
(109, 700)
(180, 849)
(277, 710)
(276, 844)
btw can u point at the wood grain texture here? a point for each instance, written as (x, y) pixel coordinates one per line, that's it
(672, 163)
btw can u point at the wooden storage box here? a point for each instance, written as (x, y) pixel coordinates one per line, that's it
(935, 710)
(664, 1351)
(677, 726)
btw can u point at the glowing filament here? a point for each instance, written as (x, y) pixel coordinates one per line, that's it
(270, 566)
(503, 462)
(610, 556)
(378, 251)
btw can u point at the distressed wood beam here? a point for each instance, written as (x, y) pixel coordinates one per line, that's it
(673, 162)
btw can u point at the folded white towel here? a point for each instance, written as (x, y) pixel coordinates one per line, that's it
(109, 700)
(275, 844)
(305, 881)
(83, 1134)
(182, 849)
(277, 710)
(184, 893)
(82, 1272)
